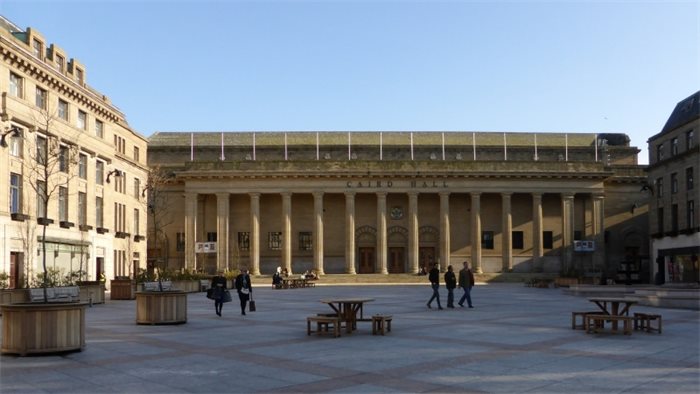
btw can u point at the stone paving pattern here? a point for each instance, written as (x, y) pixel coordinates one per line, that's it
(516, 339)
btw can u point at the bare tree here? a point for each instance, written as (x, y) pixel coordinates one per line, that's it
(157, 199)
(50, 167)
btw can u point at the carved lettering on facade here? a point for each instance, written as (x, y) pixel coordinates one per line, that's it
(414, 184)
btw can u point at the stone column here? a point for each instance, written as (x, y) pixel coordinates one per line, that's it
(318, 233)
(222, 228)
(444, 230)
(599, 253)
(254, 236)
(507, 228)
(476, 232)
(350, 233)
(567, 229)
(413, 235)
(381, 233)
(537, 249)
(190, 229)
(287, 231)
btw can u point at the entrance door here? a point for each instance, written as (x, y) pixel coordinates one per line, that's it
(426, 257)
(99, 266)
(16, 270)
(366, 261)
(397, 263)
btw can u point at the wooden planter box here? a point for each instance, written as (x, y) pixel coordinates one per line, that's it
(92, 292)
(122, 289)
(565, 282)
(161, 307)
(188, 286)
(39, 328)
(13, 296)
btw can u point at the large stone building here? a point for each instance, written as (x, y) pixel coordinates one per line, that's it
(391, 202)
(63, 140)
(674, 219)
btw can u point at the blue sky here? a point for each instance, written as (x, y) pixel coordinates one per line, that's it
(517, 66)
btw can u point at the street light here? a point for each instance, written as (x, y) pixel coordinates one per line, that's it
(15, 133)
(115, 172)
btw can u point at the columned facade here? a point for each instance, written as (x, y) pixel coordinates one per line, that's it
(394, 219)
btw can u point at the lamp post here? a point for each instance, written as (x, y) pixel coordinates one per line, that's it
(115, 172)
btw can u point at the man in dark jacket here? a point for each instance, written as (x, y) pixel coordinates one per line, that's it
(450, 284)
(244, 288)
(466, 281)
(434, 278)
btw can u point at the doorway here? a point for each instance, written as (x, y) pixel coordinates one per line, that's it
(426, 257)
(367, 261)
(99, 266)
(16, 268)
(397, 262)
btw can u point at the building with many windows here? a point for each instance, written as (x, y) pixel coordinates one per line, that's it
(391, 202)
(674, 220)
(65, 144)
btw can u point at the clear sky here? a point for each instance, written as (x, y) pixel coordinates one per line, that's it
(530, 66)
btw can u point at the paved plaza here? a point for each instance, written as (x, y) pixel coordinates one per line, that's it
(516, 339)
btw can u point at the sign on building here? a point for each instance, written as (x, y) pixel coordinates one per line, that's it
(205, 247)
(584, 246)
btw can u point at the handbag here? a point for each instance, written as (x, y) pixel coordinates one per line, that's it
(251, 303)
(226, 297)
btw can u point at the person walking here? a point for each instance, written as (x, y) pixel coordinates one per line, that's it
(434, 278)
(450, 284)
(466, 281)
(277, 278)
(244, 288)
(218, 285)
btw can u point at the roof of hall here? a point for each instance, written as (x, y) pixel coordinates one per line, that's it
(686, 111)
(373, 138)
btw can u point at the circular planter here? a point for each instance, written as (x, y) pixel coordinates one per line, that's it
(161, 307)
(36, 328)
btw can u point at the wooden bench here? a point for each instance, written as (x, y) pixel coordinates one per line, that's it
(155, 286)
(575, 315)
(323, 324)
(55, 294)
(380, 324)
(642, 321)
(204, 284)
(596, 323)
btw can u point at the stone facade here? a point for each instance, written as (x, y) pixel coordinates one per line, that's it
(391, 202)
(674, 218)
(96, 166)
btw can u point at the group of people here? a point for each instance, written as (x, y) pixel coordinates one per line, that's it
(466, 282)
(221, 295)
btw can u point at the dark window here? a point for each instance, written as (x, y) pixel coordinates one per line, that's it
(659, 152)
(305, 242)
(82, 166)
(180, 242)
(674, 146)
(659, 187)
(690, 214)
(15, 193)
(244, 240)
(660, 220)
(211, 237)
(99, 209)
(547, 240)
(517, 240)
(577, 235)
(487, 239)
(274, 240)
(689, 140)
(689, 184)
(63, 159)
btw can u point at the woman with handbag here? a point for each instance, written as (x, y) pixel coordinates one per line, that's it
(244, 287)
(218, 285)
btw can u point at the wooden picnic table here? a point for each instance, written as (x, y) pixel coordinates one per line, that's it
(347, 310)
(611, 306)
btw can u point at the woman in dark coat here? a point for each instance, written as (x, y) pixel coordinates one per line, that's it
(244, 288)
(450, 284)
(218, 284)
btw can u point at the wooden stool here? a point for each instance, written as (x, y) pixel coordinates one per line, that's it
(582, 326)
(323, 324)
(594, 323)
(642, 321)
(380, 323)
